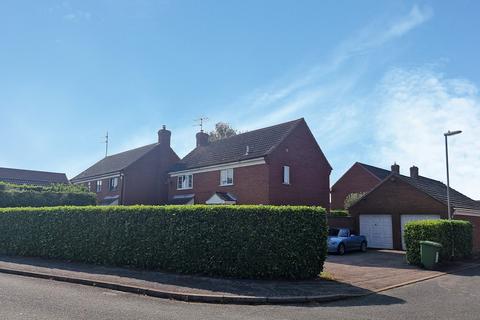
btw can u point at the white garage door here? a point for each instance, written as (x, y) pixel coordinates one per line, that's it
(378, 230)
(414, 217)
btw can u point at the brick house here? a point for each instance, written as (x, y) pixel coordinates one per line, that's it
(137, 176)
(278, 165)
(382, 213)
(360, 178)
(32, 177)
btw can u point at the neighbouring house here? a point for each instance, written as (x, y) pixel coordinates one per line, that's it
(382, 213)
(32, 177)
(137, 176)
(277, 165)
(360, 178)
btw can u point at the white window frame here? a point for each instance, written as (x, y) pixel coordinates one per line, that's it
(99, 186)
(226, 177)
(286, 175)
(113, 186)
(185, 182)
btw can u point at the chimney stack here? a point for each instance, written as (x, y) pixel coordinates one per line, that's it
(414, 172)
(396, 168)
(164, 136)
(202, 138)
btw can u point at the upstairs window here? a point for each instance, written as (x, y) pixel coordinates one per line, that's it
(99, 185)
(286, 175)
(185, 182)
(226, 177)
(114, 184)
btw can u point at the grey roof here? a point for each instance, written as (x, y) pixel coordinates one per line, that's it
(260, 143)
(438, 191)
(226, 196)
(115, 163)
(182, 199)
(21, 176)
(377, 172)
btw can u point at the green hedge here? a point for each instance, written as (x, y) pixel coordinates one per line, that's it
(12, 195)
(237, 241)
(339, 213)
(456, 233)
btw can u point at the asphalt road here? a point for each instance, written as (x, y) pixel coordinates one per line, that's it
(447, 297)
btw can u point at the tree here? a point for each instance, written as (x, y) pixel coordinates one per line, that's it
(352, 198)
(222, 131)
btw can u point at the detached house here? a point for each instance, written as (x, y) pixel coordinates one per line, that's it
(381, 214)
(33, 177)
(137, 176)
(278, 165)
(360, 178)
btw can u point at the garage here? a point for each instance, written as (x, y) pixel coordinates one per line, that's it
(405, 218)
(377, 228)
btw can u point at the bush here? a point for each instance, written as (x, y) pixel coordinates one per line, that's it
(12, 195)
(456, 233)
(339, 213)
(352, 198)
(237, 241)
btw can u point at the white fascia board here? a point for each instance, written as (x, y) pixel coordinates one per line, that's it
(236, 164)
(101, 177)
(466, 212)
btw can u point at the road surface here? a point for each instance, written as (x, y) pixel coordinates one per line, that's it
(447, 297)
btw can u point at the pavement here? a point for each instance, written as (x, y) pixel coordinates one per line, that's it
(452, 296)
(354, 275)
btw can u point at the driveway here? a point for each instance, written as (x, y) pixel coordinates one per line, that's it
(378, 269)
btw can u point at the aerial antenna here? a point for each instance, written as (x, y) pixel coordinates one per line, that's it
(200, 122)
(106, 144)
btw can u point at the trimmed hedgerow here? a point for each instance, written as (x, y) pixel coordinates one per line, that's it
(12, 195)
(450, 233)
(234, 241)
(339, 213)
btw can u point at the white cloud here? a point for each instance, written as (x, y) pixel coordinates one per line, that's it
(77, 16)
(416, 108)
(306, 90)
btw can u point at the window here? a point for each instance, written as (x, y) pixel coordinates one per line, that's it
(88, 186)
(113, 184)
(185, 182)
(226, 177)
(286, 175)
(99, 185)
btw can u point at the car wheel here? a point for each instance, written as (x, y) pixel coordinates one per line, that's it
(341, 249)
(363, 246)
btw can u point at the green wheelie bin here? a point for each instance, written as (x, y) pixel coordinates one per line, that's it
(429, 253)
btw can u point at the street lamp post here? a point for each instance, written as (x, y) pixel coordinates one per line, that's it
(447, 134)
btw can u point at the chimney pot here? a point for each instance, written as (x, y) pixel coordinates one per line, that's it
(414, 172)
(396, 168)
(164, 136)
(202, 138)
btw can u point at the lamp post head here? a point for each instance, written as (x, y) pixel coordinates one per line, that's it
(452, 133)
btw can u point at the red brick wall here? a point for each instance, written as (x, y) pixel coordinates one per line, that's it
(309, 171)
(355, 180)
(476, 230)
(105, 191)
(342, 222)
(146, 180)
(250, 185)
(396, 197)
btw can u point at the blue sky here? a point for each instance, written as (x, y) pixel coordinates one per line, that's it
(377, 81)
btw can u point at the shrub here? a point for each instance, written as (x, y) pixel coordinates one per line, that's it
(352, 198)
(450, 233)
(237, 241)
(339, 213)
(12, 195)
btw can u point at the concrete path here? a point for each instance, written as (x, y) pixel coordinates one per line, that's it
(453, 296)
(355, 274)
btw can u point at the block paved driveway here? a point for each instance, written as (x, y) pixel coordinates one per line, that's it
(377, 269)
